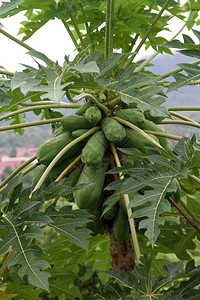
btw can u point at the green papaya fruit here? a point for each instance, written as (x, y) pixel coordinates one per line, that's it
(89, 196)
(149, 117)
(71, 123)
(165, 143)
(58, 131)
(102, 97)
(133, 116)
(134, 139)
(50, 148)
(113, 130)
(82, 109)
(93, 152)
(110, 214)
(121, 226)
(78, 132)
(93, 115)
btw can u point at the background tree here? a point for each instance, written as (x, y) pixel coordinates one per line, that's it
(88, 252)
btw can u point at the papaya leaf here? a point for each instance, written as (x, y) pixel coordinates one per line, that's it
(27, 292)
(61, 282)
(182, 80)
(25, 254)
(70, 223)
(82, 67)
(10, 8)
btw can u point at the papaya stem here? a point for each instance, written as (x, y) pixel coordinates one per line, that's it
(147, 33)
(60, 154)
(22, 125)
(4, 72)
(144, 134)
(70, 34)
(196, 62)
(180, 122)
(184, 108)
(182, 203)
(110, 10)
(129, 210)
(194, 178)
(19, 111)
(184, 214)
(73, 163)
(3, 267)
(102, 107)
(16, 171)
(182, 117)
(74, 24)
(166, 135)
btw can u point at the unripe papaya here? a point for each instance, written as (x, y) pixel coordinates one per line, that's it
(131, 115)
(121, 226)
(134, 139)
(50, 148)
(93, 152)
(58, 131)
(89, 196)
(149, 117)
(113, 130)
(148, 125)
(93, 115)
(78, 132)
(82, 109)
(111, 213)
(102, 97)
(71, 123)
(73, 179)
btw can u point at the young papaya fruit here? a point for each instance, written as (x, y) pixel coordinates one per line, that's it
(113, 130)
(134, 139)
(89, 196)
(102, 97)
(133, 116)
(111, 213)
(121, 226)
(50, 148)
(78, 132)
(149, 117)
(165, 143)
(93, 115)
(58, 131)
(82, 109)
(93, 152)
(71, 123)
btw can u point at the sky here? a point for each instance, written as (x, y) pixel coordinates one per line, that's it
(52, 39)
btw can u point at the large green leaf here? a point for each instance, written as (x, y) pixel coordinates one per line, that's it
(25, 255)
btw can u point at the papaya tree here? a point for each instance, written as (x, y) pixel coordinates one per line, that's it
(113, 208)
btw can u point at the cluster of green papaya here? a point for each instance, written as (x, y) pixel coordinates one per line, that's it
(95, 157)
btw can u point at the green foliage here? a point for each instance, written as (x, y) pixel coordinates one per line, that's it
(45, 243)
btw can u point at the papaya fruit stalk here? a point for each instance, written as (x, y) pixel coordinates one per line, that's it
(129, 211)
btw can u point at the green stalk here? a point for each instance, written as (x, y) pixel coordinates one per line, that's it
(142, 65)
(86, 23)
(184, 108)
(180, 122)
(114, 102)
(4, 72)
(196, 62)
(147, 33)
(60, 154)
(102, 107)
(69, 105)
(182, 203)
(182, 117)
(129, 210)
(70, 34)
(194, 178)
(19, 111)
(166, 135)
(16, 171)
(22, 125)
(16, 40)
(110, 10)
(143, 133)
(74, 23)
(29, 169)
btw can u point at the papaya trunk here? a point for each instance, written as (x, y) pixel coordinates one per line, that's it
(122, 257)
